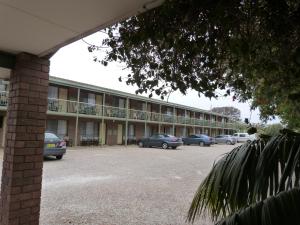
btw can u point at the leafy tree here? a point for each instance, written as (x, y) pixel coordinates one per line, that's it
(248, 48)
(228, 111)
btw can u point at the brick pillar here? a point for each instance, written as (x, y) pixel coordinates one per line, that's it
(23, 154)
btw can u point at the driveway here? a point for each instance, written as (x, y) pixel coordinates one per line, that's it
(124, 186)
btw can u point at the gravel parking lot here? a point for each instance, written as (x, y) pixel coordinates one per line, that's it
(124, 186)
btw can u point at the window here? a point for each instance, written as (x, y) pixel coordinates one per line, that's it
(131, 130)
(53, 92)
(121, 103)
(89, 129)
(62, 128)
(58, 127)
(242, 135)
(91, 99)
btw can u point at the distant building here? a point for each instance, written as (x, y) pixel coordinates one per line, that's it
(91, 115)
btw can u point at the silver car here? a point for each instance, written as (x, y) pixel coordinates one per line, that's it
(54, 146)
(225, 139)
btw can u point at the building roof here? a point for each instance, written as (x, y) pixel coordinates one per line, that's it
(41, 27)
(94, 88)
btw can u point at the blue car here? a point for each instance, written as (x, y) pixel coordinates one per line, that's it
(197, 139)
(160, 140)
(54, 146)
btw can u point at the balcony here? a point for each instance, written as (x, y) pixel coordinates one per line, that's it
(3, 98)
(137, 115)
(114, 112)
(68, 107)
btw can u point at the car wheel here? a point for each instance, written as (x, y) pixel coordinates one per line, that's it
(141, 145)
(164, 145)
(59, 156)
(174, 147)
(201, 143)
(228, 142)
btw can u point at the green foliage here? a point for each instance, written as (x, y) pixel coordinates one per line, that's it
(276, 210)
(271, 129)
(228, 111)
(249, 48)
(249, 174)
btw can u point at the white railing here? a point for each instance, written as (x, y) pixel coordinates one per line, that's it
(68, 106)
(3, 98)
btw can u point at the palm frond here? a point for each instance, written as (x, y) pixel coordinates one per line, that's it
(229, 185)
(278, 168)
(247, 174)
(276, 210)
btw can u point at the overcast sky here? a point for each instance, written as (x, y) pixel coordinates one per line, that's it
(74, 62)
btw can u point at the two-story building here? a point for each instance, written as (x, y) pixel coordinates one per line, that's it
(92, 115)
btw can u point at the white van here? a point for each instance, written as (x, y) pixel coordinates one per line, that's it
(243, 137)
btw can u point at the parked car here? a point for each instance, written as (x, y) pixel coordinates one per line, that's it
(54, 146)
(243, 137)
(198, 139)
(160, 140)
(225, 139)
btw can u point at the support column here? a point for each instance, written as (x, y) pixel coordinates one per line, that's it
(77, 112)
(145, 129)
(102, 121)
(185, 133)
(4, 130)
(174, 118)
(126, 122)
(194, 124)
(159, 123)
(24, 146)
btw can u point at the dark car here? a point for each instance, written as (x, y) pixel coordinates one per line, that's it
(54, 146)
(160, 140)
(197, 139)
(225, 139)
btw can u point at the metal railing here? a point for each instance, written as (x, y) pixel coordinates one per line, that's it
(137, 114)
(114, 112)
(3, 98)
(68, 106)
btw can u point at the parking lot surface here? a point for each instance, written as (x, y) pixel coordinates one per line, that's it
(124, 185)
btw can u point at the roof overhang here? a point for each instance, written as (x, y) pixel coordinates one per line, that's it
(41, 27)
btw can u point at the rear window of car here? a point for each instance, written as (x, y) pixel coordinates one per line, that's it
(50, 136)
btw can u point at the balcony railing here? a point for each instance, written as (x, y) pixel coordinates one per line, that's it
(137, 115)
(3, 98)
(114, 112)
(82, 108)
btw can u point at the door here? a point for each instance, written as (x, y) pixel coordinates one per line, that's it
(120, 137)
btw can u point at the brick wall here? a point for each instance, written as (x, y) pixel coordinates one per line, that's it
(23, 154)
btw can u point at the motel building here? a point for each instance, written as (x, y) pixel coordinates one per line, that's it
(86, 115)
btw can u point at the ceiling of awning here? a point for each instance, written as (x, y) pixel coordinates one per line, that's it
(41, 27)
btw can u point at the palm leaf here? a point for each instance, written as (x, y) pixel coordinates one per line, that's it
(247, 174)
(276, 210)
(229, 185)
(278, 168)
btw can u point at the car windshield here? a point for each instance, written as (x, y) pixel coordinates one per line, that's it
(50, 136)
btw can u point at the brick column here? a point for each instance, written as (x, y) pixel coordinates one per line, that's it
(23, 154)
